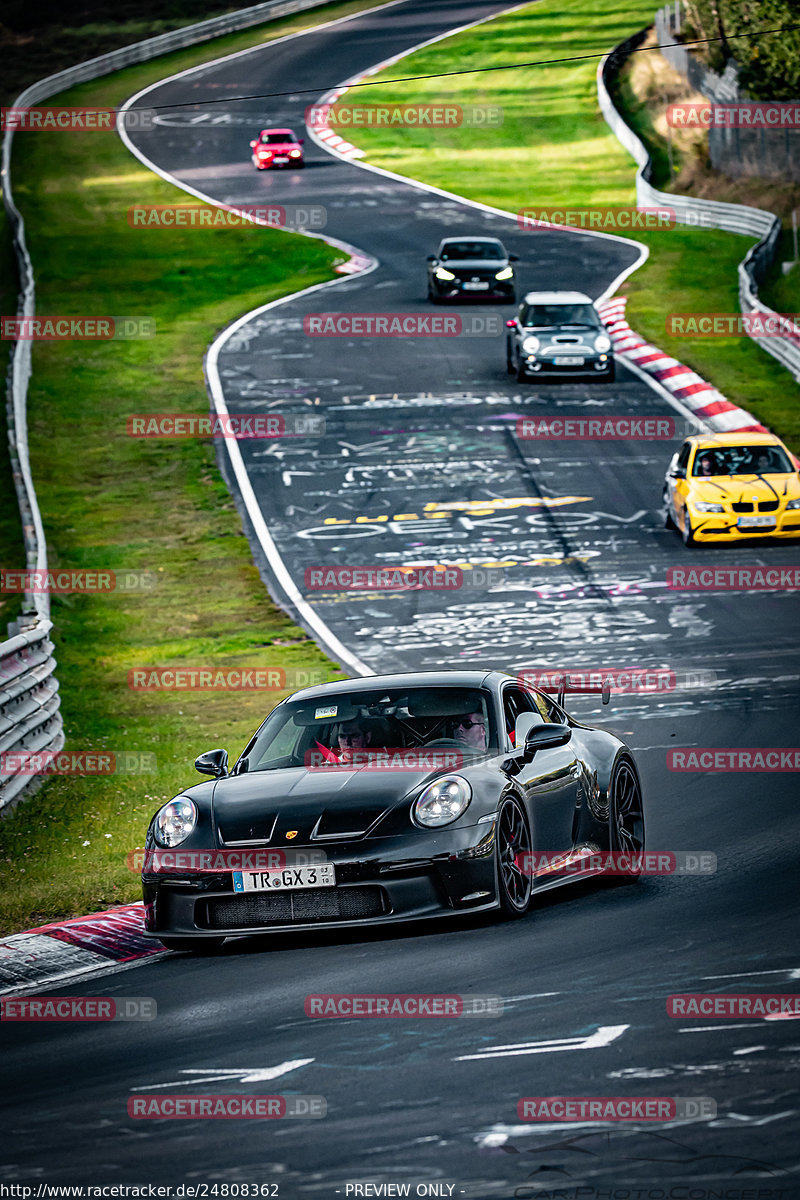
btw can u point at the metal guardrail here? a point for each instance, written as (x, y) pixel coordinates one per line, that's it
(707, 214)
(30, 716)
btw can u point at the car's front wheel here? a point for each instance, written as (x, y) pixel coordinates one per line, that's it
(522, 374)
(192, 945)
(509, 358)
(512, 847)
(667, 511)
(687, 533)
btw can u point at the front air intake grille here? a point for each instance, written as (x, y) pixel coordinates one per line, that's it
(287, 908)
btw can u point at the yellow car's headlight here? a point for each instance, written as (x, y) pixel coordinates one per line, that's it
(705, 506)
(793, 503)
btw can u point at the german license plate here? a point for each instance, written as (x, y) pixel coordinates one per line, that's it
(568, 360)
(282, 159)
(476, 287)
(750, 522)
(284, 880)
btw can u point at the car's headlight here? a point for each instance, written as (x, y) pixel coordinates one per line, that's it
(602, 343)
(705, 506)
(530, 345)
(793, 503)
(175, 821)
(295, 153)
(443, 273)
(442, 802)
(506, 273)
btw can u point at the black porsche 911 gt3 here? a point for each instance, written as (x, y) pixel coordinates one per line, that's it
(385, 799)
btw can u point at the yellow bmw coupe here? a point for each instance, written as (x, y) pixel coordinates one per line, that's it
(728, 486)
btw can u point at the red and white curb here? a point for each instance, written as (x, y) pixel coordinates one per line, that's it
(703, 400)
(66, 950)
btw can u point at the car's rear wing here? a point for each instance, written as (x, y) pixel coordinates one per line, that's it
(584, 683)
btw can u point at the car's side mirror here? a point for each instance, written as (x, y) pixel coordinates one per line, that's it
(431, 258)
(252, 145)
(301, 141)
(511, 324)
(513, 258)
(546, 737)
(679, 472)
(213, 762)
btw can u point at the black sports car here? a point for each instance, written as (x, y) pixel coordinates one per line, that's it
(385, 799)
(471, 268)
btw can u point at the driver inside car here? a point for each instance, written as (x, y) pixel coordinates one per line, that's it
(471, 730)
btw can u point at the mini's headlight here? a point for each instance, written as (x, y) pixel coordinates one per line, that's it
(175, 821)
(530, 344)
(443, 273)
(794, 503)
(506, 273)
(442, 802)
(602, 343)
(705, 506)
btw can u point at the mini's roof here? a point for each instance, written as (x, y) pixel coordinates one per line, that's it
(557, 298)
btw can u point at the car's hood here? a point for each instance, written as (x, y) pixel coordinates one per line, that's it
(278, 147)
(746, 489)
(263, 807)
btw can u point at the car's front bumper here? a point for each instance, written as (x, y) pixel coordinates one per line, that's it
(455, 290)
(724, 527)
(378, 881)
(591, 364)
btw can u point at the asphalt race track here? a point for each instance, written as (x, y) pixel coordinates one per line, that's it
(421, 439)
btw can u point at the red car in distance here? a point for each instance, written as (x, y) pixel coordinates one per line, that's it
(277, 148)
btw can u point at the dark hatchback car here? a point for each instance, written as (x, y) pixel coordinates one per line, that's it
(558, 333)
(387, 799)
(475, 268)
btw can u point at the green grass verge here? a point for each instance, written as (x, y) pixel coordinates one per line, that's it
(554, 148)
(109, 501)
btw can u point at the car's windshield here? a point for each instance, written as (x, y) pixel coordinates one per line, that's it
(329, 729)
(741, 460)
(281, 138)
(538, 316)
(451, 251)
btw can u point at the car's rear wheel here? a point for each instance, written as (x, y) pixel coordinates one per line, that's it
(687, 533)
(626, 818)
(192, 945)
(512, 839)
(668, 521)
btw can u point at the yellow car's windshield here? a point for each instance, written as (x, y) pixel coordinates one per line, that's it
(741, 460)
